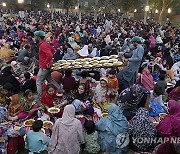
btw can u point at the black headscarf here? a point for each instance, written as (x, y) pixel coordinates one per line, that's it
(7, 71)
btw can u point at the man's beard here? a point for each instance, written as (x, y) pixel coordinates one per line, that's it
(37, 42)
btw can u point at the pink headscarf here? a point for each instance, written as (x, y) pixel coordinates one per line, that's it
(147, 80)
(152, 42)
(68, 115)
(170, 125)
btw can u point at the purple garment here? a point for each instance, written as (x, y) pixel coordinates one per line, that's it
(170, 125)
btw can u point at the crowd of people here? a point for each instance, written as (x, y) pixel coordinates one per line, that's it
(102, 110)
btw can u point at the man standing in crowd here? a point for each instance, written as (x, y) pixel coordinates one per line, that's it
(46, 52)
(127, 76)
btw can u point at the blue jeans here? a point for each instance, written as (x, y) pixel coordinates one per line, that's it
(44, 74)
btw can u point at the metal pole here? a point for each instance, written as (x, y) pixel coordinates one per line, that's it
(145, 12)
(79, 10)
(95, 11)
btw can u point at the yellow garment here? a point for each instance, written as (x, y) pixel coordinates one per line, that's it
(77, 37)
(6, 53)
(76, 49)
(170, 74)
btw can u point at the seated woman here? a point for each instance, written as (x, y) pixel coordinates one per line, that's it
(156, 99)
(141, 127)
(145, 79)
(30, 106)
(11, 141)
(5, 91)
(67, 134)
(175, 93)
(8, 77)
(51, 98)
(129, 100)
(110, 127)
(81, 100)
(15, 107)
(101, 94)
(169, 127)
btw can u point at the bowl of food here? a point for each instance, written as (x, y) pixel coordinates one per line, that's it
(97, 65)
(56, 64)
(62, 61)
(118, 63)
(113, 60)
(104, 114)
(85, 63)
(78, 60)
(77, 66)
(162, 115)
(104, 57)
(76, 63)
(108, 64)
(104, 61)
(94, 62)
(56, 68)
(43, 130)
(70, 61)
(114, 56)
(29, 122)
(66, 67)
(53, 110)
(47, 124)
(96, 58)
(87, 59)
(87, 66)
(17, 128)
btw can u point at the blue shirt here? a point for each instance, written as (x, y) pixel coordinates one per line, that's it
(36, 141)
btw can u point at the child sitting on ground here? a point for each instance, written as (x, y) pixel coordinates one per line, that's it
(91, 138)
(51, 98)
(156, 96)
(162, 83)
(113, 85)
(37, 141)
(156, 73)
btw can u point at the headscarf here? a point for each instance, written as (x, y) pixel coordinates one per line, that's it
(68, 115)
(69, 55)
(170, 125)
(110, 127)
(115, 122)
(152, 42)
(72, 42)
(15, 66)
(141, 127)
(107, 39)
(130, 97)
(7, 71)
(147, 79)
(175, 94)
(84, 51)
(159, 40)
(48, 99)
(101, 92)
